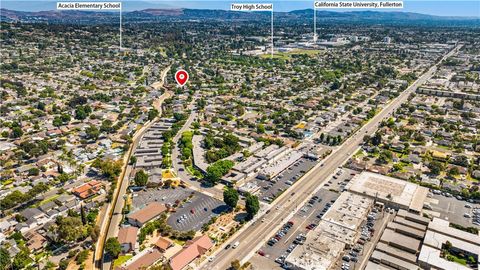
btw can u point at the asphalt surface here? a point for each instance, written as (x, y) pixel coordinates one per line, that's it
(270, 190)
(304, 216)
(196, 212)
(251, 237)
(453, 210)
(165, 196)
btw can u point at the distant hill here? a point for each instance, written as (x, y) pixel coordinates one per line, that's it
(212, 14)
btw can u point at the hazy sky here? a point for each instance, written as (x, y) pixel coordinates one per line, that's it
(469, 8)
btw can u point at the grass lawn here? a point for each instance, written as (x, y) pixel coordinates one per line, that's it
(179, 242)
(288, 55)
(456, 259)
(7, 182)
(121, 260)
(191, 170)
(47, 200)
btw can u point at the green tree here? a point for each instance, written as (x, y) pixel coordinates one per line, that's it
(141, 178)
(133, 160)
(435, 167)
(22, 259)
(113, 247)
(4, 259)
(152, 114)
(92, 132)
(16, 132)
(377, 139)
(252, 205)
(109, 168)
(69, 229)
(33, 171)
(82, 257)
(454, 171)
(80, 113)
(230, 197)
(235, 265)
(385, 157)
(218, 169)
(260, 128)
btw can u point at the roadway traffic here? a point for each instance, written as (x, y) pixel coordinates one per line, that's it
(252, 237)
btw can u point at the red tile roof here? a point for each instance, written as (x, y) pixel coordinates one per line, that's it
(194, 249)
(88, 189)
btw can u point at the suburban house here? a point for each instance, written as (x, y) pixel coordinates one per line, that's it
(192, 250)
(144, 215)
(127, 237)
(88, 189)
(163, 244)
(142, 260)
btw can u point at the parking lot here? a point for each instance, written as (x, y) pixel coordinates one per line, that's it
(272, 189)
(197, 211)
(456, 211)
(166, 196)
(293, 233)
(339, 180)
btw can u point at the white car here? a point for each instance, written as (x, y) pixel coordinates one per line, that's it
(236, 244)
(210, 259)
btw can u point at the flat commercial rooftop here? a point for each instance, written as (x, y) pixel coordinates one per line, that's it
(436, 240)
(413, 217)
(318, 252)
(405, 222)
(337, 229)
(396, 252)
(432, 257)
(281, 164)
(389, 190)
(443, 226)
(349, 210)
(418, 234)
(393, 261)
(376, 266)
(439, 233)
(399, 240)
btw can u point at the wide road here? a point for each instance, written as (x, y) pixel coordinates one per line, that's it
(113, 218)
(252, 237)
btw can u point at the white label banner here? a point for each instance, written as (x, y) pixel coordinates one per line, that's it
(89, 5)
(251, 7)
(358, 4)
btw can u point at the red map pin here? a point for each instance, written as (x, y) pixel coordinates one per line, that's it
(181, 76)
